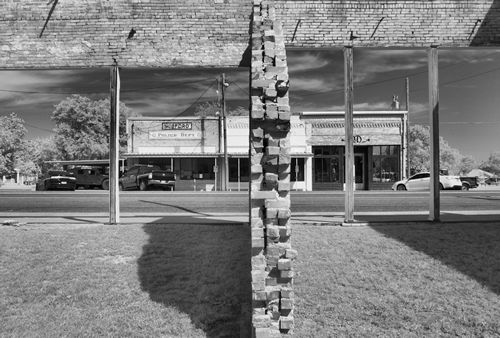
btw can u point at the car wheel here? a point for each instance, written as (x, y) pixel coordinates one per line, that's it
(465, 187)
(441, 187)
(143, 186)
(105, 185)
(401, 187)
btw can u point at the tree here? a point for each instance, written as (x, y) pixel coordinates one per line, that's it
(239, 111)
(82, 128)
(492, 165)
(209, 108)
(212, 108)
(12, 143)
(467, 163)
(419, 152)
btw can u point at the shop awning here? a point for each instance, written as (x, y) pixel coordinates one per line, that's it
(176, 155)
(204, 155)
(242, 155)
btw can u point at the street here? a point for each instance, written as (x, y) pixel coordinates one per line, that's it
(303, 203)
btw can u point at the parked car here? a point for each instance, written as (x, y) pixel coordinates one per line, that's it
(469, 182)
(56, 180)
(144, 177)
(89, 177)
(421, 181)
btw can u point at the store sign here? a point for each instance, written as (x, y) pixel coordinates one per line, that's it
(358, 139)
(174, 134)
(177, 126)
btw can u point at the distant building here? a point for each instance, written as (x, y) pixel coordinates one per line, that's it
(193, 148)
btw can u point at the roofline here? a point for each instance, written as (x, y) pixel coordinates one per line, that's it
(169, 118)
(356, 112)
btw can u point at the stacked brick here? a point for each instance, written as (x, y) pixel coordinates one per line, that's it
(272, 254)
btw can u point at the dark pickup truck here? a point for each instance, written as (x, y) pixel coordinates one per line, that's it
(468, 182)
(144, 177)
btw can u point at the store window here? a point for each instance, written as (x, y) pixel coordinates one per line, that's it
(386, 163)
(297, 170)
(195, 168)
(164, 163)
(239, 165)
(326, 164)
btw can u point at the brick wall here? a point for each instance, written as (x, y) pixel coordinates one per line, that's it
(92, 33)
(406, 23)
(216, 32)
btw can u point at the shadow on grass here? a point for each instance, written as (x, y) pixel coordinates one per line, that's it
(203, 270)
(471, 249)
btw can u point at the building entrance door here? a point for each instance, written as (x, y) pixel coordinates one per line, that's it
(359, 171)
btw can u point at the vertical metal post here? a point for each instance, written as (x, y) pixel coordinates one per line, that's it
(114, 196)
(407, 87)
(224, 132)
(349, 134)
(434, 210)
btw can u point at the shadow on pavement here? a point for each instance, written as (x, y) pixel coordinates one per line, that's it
(470, 248)
(201, 269)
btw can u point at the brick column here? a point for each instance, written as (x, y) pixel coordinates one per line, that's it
(272, 254)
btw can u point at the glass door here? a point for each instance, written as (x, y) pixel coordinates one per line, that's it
(359, 171)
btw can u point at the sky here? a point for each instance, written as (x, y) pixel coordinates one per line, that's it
(469, 90)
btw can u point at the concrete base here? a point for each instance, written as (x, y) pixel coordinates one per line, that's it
(354, 223)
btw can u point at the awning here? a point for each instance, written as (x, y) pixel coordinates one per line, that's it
(175, 155)
(205, 155)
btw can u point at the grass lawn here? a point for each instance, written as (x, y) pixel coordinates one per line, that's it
(398, 281)
(183, 280)
(131, 280)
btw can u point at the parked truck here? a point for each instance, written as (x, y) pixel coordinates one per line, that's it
(469, 182)
(90, 177)
(144, 177)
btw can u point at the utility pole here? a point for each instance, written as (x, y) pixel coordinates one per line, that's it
(407, 87)
(114, 166)
(435, 205)
(224, 131)
(349, 131)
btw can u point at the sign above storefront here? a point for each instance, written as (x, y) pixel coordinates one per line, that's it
(177, 125)
(174, 134)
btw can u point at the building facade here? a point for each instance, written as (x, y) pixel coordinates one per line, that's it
(193, 148)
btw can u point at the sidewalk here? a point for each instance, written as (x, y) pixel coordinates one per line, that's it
(15, 186)
(307, 219)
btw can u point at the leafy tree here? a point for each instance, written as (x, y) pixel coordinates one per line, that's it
(209, 108)
(82, 128)
(418, 148)
(12, 143)
(492, 165)
(239, 111)
(467, 163)
(212, 108)
(419, 152)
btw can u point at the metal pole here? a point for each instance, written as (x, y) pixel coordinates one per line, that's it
(114, 196)
(224, 132)
(349, 134)
(407, 85)
(434, 208)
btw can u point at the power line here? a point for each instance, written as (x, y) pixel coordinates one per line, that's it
(394, 78)
(198, 99)
(243, 90)
(100, 93)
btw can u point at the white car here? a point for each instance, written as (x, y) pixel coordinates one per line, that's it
(421, 181)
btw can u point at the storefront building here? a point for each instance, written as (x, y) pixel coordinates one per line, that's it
(193, 148)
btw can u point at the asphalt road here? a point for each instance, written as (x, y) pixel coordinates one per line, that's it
(158, 202)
